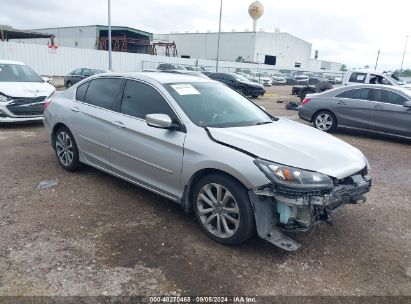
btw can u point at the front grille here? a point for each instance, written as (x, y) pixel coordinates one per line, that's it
(25, 106)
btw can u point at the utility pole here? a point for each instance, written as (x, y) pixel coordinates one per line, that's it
(110, 64)
(219, 34)
(403, 54)
(376, 62)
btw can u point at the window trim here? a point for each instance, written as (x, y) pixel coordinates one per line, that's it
(113, 108)
(349, 90)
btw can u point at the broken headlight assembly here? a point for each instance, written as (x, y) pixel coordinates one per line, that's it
(294, 178)
(4, 98)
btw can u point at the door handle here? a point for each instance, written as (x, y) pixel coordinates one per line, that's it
(75, 109)
(340, 102)
(378, 107)
(118, 124)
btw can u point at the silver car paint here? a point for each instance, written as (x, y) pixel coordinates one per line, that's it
(362, 114)
(169, 159)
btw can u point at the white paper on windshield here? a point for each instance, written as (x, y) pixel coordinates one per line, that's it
(185, 89)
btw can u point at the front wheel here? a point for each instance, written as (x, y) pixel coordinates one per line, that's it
(223, 209)
(325, 121)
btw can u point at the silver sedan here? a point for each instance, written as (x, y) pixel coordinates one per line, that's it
(378, 108)
(203, 145)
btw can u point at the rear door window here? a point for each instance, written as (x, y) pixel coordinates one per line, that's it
(388, 97)
(362, 94)
(358, 77)
(103, 92)
(140, 99)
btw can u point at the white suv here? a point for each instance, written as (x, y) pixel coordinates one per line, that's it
(372, 77)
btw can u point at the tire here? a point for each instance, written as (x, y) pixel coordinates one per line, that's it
(66, 150)
(235, 215)
(325, 121)
(68, 84)
(254, 96)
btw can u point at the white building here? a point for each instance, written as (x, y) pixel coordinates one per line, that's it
(282, 50)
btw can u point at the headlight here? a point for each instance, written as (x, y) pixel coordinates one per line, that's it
(293, 177)
(4, 98)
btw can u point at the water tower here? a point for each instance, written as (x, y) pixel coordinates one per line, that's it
(255, 10)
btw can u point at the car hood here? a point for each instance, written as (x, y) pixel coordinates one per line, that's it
(297, 145)
(26, 89)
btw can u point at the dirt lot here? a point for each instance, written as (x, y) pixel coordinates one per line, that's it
(94, 234)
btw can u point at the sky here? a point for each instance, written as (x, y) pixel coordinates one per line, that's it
(345, 31)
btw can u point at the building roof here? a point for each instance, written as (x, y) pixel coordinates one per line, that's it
(102, 27)
(11, 33)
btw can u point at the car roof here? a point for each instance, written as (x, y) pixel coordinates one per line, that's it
(369, 86)
(160, 77)
(366, 71)
(11, 62)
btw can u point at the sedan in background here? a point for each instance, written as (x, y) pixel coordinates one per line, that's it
(22, 93)
(80, 74)
(302, 79)
(377, 108)
(278, 80)
(209, 149)
(240, 84)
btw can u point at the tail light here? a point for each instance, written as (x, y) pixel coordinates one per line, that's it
(306, 100)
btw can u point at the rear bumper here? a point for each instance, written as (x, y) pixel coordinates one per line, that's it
(305, 114)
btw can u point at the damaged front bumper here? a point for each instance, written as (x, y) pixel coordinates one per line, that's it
(278, 209)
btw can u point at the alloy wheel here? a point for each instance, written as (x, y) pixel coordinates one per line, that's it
(218, 210)
(64, 148)
(324, 121)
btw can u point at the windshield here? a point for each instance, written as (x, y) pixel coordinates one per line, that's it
(240, 77)
(396, 80)
(18, 73)
(216, 105)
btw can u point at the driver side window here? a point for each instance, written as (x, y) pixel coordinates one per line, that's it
(140, 99)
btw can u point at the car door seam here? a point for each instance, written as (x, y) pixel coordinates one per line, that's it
(141, 160)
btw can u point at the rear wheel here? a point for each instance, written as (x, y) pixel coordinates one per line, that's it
(66, 149)
(223, 209)
(325, 121)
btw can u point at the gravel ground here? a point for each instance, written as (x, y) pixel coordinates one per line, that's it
(94, 234)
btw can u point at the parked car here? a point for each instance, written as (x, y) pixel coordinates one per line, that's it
(199, 143)
(290, 79)
(365, 76)
(330, 79)
(263, 79)
(302, 79)
(278, 80)
(170, 66)
(338, 79)
(22, 93)
(376, 108)
(79, 74)
(240, 84)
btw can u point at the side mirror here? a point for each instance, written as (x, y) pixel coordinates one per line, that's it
(162, 121)
(46, 79)
(86, 75)
(407, 104)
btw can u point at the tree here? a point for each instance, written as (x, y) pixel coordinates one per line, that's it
(343, 67)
